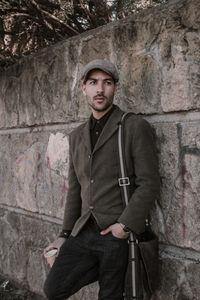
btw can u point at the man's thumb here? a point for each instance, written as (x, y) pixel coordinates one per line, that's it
(103, 232)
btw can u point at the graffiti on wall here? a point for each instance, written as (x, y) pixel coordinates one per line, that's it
(41, 175)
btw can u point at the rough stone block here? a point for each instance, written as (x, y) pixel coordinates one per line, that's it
(190, 14)
(38, 90)
(34, 171)
(178, 91)
(178, 218)
(12, 248)
(36, 266)
(140, 84)
(23, 239)
(179, 280)
(9, 101)
(86, 293)
(6, 172)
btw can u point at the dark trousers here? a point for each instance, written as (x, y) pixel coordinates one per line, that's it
(86, 258)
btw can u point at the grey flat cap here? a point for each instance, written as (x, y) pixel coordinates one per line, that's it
(103, 65)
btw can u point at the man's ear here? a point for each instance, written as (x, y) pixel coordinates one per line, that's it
(83, 87)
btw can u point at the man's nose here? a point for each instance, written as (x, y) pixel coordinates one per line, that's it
(100, 88)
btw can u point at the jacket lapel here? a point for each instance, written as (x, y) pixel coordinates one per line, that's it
(110, 128)
(85, 136)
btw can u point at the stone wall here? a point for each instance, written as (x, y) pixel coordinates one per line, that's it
(158, 55)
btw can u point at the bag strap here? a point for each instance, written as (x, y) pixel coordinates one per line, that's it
(124, 181)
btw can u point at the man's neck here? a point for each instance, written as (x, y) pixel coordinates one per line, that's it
(99, 114)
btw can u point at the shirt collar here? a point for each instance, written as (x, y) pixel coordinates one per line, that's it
(102, 121)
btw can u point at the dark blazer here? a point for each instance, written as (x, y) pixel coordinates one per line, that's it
(93, 175)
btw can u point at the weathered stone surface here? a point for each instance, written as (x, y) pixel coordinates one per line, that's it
(180, 76)
(157, 53)
(168, 149)
(58, 152)
(179, 166)
(36, 265)
(22, 241)
(34, 171)
(10, 290)
(190, 14)
(178, 280)
(140, 84)
(9, 101)
(22, 253)
(6, 172)
(43, 85)
(88, 292)
(189, 182)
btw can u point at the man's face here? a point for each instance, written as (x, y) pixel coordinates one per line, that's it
(99, 90)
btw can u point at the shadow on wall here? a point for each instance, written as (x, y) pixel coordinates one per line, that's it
(11, 291)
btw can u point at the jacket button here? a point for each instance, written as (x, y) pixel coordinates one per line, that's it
(89, 156)
(91, 207)
(92, 180)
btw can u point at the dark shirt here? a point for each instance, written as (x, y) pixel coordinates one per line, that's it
(97, 125)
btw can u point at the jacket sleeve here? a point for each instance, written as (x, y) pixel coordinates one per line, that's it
(73, 201)
(147, 180)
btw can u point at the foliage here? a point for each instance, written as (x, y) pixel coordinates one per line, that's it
(29, 25)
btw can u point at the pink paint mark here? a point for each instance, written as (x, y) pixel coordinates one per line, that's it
(64, 190)
(37, 173)
(183, 211)
(48, 162)
(20, 159)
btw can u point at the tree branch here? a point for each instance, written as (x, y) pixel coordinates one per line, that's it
(43, 12)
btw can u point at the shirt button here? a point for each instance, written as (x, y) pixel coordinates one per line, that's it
(97, 132)
(92, 180)
(89, 156)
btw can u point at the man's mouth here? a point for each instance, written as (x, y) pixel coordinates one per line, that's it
(99, 98)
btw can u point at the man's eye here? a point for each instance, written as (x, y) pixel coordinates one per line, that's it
(92, 82)
(108, 82)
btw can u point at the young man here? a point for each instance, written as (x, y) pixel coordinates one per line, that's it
(93, 243)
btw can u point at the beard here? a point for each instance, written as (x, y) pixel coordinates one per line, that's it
(105, 107)
(108, 103)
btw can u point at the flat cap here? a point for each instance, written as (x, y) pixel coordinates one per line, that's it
(103, 65)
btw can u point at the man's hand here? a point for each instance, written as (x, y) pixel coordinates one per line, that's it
(117, 231)
(56, 244)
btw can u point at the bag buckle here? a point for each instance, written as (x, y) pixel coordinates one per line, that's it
(124, 181)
